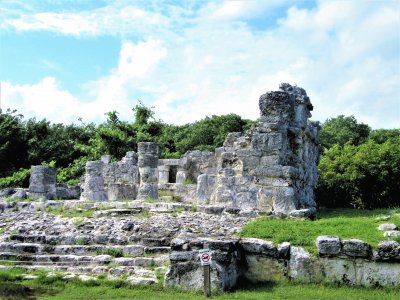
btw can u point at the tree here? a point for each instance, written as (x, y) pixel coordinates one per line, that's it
(363, 176)
(13, 146)
(342, 130)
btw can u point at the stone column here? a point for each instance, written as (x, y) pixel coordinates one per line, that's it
(93, 187)
(42, 183)
(148, 163)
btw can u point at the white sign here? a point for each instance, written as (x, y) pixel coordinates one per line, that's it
(205, 257)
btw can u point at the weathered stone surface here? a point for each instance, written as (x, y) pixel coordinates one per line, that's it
(301, 265)
(356, 248)
(387, 226)
(303, 213)
(258, 246)
(148, 162)
(42, 182)
(284, 250)
(93, 187)
(389, 251)
(391, 233)
(328, 245)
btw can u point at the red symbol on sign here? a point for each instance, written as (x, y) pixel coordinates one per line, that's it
(205, 257)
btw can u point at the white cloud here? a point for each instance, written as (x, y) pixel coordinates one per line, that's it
(208, 61)
(111, 19)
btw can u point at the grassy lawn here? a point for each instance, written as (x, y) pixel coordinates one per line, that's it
(12, 286)
(345, 223)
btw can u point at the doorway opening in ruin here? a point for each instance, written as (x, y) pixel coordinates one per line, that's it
(172, 174)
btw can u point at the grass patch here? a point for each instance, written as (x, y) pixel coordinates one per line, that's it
(55, 288)
(71, 213)
(345, 223)
(29, 199)
(111, 251)
(151, 200)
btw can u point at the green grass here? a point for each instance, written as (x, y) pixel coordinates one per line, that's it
(71, 213)
(345, 223)
(29, 199)
(55, 288)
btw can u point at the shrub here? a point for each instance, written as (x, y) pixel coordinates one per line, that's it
(18, 179)
(364, 176)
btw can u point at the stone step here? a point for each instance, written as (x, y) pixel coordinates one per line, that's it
(51, 259)
(114, 250)
(115, 208)
(96, 270)
(66, 239)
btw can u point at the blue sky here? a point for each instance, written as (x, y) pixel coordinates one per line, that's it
(64, 60)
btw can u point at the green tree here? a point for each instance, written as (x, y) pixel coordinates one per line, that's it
(13, 146)
(341, 130)
(382, 135)
(363, 176)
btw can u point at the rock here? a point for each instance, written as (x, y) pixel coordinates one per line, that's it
(383, 218)
(301, 266)
(141, 280)
(284, 250)
(86, 278)
(30, 277)
(328, 245)
(389, 250)
(4, 193)
(19, 194)
(184, 256)
(248, 213)
(391, 233)
(356, 248)
(387, 226)
(258, 246)
(70, 276)
(303, 213)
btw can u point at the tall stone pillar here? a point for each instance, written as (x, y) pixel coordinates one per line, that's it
(148, 164)
(93, 187)
(42, 183)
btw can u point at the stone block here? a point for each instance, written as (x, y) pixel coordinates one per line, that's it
(258, 246)
(328, 245)
(356, 248)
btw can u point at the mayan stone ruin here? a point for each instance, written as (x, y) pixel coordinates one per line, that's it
(271, 169)
(144, 219)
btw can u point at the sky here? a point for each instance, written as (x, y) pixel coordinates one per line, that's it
(69, 59)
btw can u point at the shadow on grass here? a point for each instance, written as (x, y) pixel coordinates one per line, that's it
(327, 213)
(14, 291)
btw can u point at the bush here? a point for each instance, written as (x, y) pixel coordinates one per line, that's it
(364, 176)
(18, 179)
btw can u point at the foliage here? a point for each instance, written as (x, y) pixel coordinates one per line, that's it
(364, 176)
(13, 148)
(342, 130)
(345, 223)
(380, 136)
(18, 179)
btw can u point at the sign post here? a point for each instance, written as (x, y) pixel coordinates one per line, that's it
(205, 259)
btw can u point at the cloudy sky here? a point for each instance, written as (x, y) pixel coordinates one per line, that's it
(62, 60)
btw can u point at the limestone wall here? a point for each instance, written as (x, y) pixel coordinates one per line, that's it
(111, 181)
(42, 183)
(349, 262)
(272, 168)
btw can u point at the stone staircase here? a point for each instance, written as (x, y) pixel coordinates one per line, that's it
(117, 241)
(136, 262)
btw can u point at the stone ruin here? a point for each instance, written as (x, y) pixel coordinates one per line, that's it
(270, 169)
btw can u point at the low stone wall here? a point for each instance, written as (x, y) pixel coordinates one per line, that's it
(350, 262)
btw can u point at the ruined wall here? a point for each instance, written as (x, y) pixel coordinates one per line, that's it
(348, 262)
(42, 183)
(111, 181)
(274, 166)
